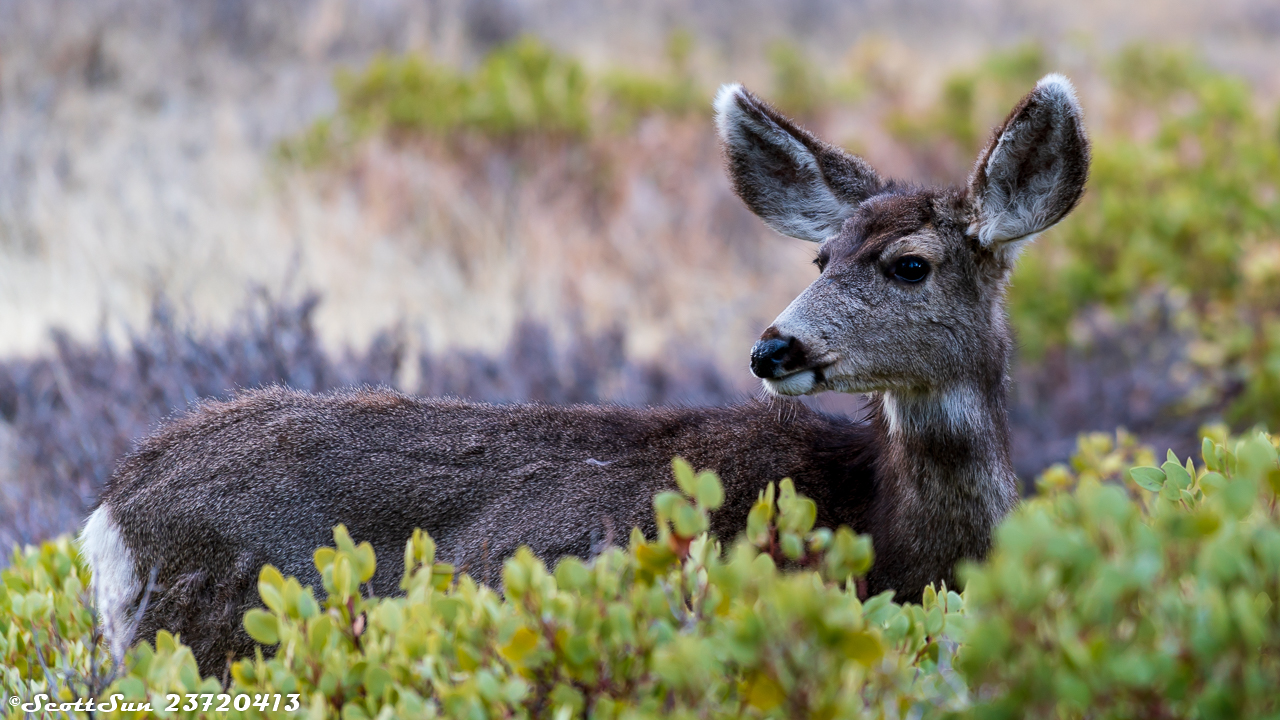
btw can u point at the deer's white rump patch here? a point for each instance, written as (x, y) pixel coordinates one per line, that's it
(115, 585)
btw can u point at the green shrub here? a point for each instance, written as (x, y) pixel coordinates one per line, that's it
(631, 95)
(799, 88)
(1119, 592)
(46, 624)
(669, 627)
(970, 101)
(1151, 596)
(518, 89)
(1180, 206)
(663, 628)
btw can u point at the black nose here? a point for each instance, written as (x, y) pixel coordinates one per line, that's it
(768, 356)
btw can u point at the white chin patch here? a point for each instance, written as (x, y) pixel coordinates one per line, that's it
(797, 384)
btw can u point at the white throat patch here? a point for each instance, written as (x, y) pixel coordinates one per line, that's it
(958, 409)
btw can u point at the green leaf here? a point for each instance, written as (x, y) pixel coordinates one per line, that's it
(1257, 456)
(1273, 480)
(758, 523)
(786, 492)
(930, 598)
(709, 492)
(572, 574)
(684, 476)
(344, 581)
(318, 630)
(516, 574)
(1208, 454)
(934, 621)
(1212, 482)
(366, 562)
(261, 626)
(270, 583)
(820, 540)
(687, 520)
(324, 558)
(665, 503)
(864, 647)
(792, 545)
(654, 558)
(377, 680)
(270, 576)
(342, 539)
(1176, 473)
(806, 514)
(307, 605)
(1240, 495)
(441, 576)
(1148, 478)
(764, 693)
(271, 598)
(523, 641)
(352, 711)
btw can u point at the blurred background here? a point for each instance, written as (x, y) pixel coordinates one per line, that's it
(523, 199)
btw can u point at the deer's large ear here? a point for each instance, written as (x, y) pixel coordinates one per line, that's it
(1033, 172)
(796, 183)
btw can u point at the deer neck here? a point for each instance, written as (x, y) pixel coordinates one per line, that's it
(946, 457)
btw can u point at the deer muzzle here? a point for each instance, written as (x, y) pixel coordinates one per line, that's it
(776, 355)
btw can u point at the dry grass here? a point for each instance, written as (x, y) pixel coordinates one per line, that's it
(67, 417)
(135, 139)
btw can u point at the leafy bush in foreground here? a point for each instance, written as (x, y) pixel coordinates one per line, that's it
(1142, 592)
(1154, 597)
(668, 627)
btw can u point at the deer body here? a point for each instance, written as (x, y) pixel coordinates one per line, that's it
(908, 308)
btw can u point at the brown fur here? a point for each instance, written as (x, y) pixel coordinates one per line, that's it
(214, 495)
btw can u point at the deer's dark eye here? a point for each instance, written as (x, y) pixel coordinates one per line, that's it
(910, 269)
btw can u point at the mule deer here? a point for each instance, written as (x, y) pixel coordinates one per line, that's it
(908, 307)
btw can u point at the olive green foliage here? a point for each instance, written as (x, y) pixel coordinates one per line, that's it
(1120, 591)
(46, 627)
(971, 102)
(520, 88)
(677, 626)
(662, 628)
(525, 89)
(1152, 595)
(799, 88)
(631, 95)
(1182, 197)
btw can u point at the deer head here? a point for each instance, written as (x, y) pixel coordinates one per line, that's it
(910, 293)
